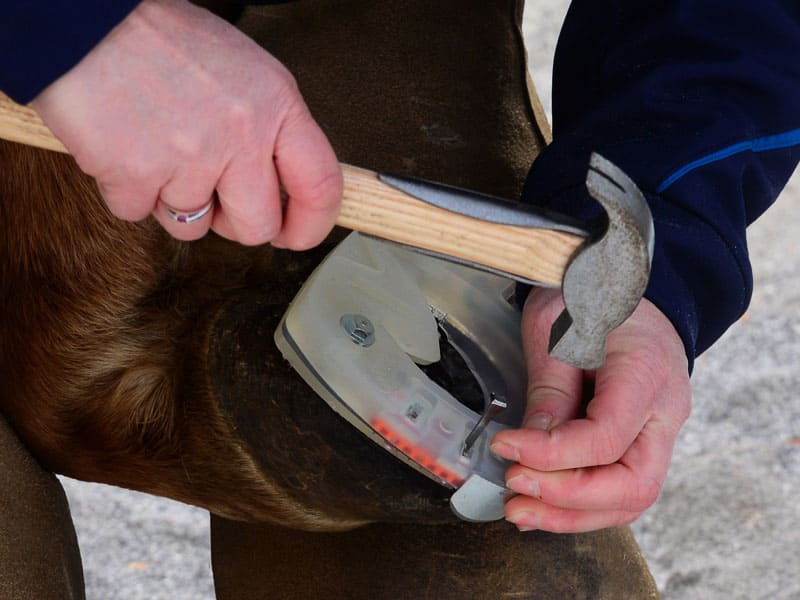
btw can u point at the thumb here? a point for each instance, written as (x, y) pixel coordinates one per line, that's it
(555, 389)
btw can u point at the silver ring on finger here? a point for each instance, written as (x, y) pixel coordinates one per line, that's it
(189, 217)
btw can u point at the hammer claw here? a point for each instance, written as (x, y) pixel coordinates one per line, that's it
(606, 278)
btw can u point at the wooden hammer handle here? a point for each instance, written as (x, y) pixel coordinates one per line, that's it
(372, 207)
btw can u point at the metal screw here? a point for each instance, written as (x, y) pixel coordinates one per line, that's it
(359, 328)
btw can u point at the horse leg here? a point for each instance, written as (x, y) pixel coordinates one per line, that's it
(436, 90)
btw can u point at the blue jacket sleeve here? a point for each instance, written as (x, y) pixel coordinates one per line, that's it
(40, 41)
(699, 102)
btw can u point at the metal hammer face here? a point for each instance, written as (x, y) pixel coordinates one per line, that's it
(606, 278)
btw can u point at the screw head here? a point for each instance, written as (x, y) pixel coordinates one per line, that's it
(359, 328)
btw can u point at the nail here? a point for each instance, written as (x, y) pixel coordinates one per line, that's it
(539, 420)
(525, 485)
(506, 451)
(525, 521)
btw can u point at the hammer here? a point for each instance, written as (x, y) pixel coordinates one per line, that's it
(602, 275)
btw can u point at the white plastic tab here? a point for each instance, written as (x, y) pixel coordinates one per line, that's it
(479, 500)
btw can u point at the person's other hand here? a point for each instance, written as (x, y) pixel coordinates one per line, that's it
(175, 104)
(580, 469)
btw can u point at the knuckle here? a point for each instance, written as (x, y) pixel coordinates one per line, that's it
(123, 202)
(547, 456)
(302, 244)
(286, 85)
(252, 236)
(186, 145)
(608, 446)
(137, 173)
(649, 491)
(563, 522)
(248, 238)
(542, 396)
(643, 494)
(282, 91)
(240, 116)
(324, 194)
(567, 491)
(626, 518)
(683, 399)
(120, 209)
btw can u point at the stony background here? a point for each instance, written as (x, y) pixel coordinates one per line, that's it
(727, 524)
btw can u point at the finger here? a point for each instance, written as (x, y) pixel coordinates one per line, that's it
(249, 201)
(614, 417)
(186, 205)
(529, 514)
(311, 175)
(129, 202)
(630, 485)
(555, 389)
(599, 439)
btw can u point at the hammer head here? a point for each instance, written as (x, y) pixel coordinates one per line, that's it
(607, 276)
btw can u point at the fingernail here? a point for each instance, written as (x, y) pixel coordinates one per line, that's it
(506, 451)
(539, 420)
(525, 521)
(525, 485)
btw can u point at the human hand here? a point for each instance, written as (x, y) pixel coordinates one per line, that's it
(175, 104)
(579, 473)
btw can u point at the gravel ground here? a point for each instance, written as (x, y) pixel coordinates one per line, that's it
(727, 524)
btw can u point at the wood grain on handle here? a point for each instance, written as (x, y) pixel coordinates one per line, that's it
(21, 124)
(372, 207)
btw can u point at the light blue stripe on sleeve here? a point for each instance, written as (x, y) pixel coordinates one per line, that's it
(770, 142)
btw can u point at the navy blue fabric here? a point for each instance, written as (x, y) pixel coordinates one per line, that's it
(699, 102)
(40, 41)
